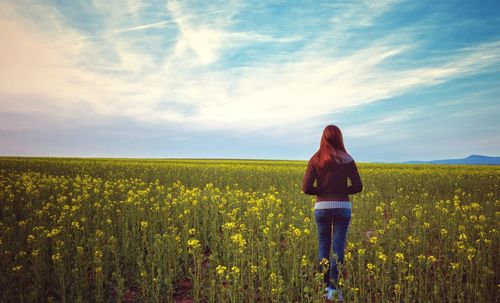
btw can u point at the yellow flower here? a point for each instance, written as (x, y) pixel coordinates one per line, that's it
(235, 270)
(431, 259)
(397, 289)
(53, 232)
(253, 268)
(303, 261)
(99, 233)
(418, 210)
(324, 262)
(229, 225)
(471, 252)
(193, 244)
(17, 268)
(220, 269)
(239, 240)
(98, 254)
(144, 224)
(413, 240)
(273, 277)
(341, 282)
(373, 239)
(56, 257)
(30, 238)
(296, 232)
(460, 244)
(454, 266)
(361, 251)
(382, 257)
(399, 257)
(371, 267)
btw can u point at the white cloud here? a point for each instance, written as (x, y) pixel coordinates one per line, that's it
(208, 40)
(386, 126)
(187, 88)
(29, 64)
(352, 14)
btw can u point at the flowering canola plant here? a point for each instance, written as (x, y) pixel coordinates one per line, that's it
(75, 230)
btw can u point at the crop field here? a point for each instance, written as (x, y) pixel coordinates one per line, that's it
(127, 230)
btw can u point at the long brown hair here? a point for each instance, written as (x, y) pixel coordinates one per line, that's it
(331, 148)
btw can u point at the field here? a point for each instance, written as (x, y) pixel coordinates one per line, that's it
(123, 230)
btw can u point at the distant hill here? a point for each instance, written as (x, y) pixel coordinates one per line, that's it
(472, 159)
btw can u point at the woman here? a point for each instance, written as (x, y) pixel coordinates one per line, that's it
(330, 167)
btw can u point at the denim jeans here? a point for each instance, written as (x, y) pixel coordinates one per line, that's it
(326, 219)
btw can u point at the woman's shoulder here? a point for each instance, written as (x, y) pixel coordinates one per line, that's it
(344, 158)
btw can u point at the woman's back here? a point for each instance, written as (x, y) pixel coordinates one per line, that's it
(331, 178)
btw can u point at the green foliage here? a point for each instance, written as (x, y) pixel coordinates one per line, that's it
(80, 230)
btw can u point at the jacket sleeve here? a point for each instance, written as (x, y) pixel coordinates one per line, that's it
(356, 184)
(309, 178)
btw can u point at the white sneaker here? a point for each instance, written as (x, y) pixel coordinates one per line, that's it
(329, 293)
(332, 293)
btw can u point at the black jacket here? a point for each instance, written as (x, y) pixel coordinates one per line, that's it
(332, 180)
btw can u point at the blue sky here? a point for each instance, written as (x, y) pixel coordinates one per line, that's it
(404, 80)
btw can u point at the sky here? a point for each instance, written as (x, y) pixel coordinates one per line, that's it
(404, 80)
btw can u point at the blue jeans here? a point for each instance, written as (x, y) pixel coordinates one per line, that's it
(326, 219)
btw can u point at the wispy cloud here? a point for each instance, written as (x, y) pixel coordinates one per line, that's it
(381, 126)
(146, 26)
(352, 14)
